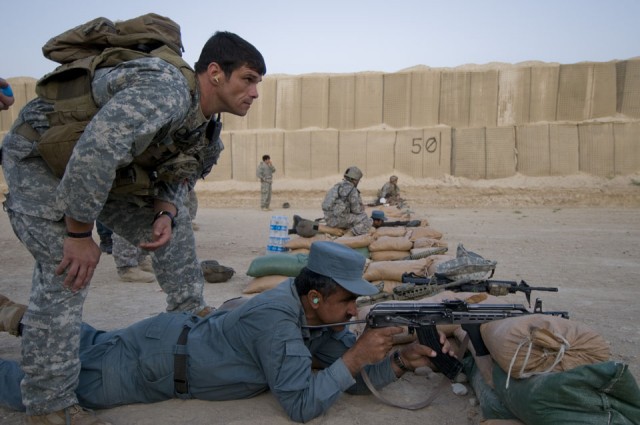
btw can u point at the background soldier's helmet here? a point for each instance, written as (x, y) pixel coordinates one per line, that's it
(353, 173)
(393, 179)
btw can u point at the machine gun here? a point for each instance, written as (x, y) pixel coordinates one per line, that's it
(423, 286)
(423, 318)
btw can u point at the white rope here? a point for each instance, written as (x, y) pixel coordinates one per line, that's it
(564, 347)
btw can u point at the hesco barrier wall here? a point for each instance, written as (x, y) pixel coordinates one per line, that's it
(478, 122)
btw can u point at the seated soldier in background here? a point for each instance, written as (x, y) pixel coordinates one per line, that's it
(272, 341)
(343, 207)
(390, 193)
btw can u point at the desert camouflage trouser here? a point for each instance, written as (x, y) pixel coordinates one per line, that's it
(265, 194)
(176, 264)
(359, 224)
(52, 322)
(126, 254)
(51, 332)
(192, 204)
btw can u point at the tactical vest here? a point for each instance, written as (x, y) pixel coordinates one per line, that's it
(100, 44)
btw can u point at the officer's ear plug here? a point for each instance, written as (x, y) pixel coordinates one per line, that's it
(316, 300)
(215, 78)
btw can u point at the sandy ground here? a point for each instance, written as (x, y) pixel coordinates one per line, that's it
(580, 234)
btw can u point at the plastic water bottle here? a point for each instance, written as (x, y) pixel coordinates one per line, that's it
(278, 234)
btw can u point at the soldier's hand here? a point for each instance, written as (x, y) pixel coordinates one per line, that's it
(79, 259)
(161, 234)
(416, 355)
(371, 347)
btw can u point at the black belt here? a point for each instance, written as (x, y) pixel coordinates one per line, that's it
(180, 365)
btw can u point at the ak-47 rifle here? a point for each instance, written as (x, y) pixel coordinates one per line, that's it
(423, 318)
(430, 285)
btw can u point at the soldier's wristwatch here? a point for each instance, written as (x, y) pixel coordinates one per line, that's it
(398, 361)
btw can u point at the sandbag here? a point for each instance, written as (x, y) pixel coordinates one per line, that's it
(388, 255)
(304, 243)
(277, 264)
(540, 343)
(299, 251)
(392, 270)
(424, 232)
(428, 243)
(597, 394)
(390, 243)
(260, 284)
(360, 241)
(388, 231)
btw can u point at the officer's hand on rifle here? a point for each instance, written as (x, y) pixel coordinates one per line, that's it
(417, 355)
(371, 347)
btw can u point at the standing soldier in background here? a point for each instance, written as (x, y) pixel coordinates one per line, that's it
(343, 207)
(155, 115)
(265, 174)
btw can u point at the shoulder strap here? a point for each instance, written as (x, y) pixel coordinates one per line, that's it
(439, 389)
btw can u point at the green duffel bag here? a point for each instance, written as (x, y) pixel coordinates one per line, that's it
(595, 394)
(277, 264)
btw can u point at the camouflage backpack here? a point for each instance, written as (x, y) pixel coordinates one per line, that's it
(466, 267)
(81, 50)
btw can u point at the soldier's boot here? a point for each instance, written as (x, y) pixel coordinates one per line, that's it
(146, 264)
(134, 274)
(72, 415)
(10, 315)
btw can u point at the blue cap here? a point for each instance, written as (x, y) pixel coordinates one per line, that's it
(378, 215)
(342, 264)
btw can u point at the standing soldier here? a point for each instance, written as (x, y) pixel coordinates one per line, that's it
(265, 174)
(154, 122)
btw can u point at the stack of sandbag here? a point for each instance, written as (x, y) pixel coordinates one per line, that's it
(399, 243)
(301, 245)
(271, 269)
(390, 272)
(359, 243)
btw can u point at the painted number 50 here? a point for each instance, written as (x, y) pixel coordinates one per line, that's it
(430, 145)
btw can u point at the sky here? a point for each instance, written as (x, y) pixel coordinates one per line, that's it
(345, 36)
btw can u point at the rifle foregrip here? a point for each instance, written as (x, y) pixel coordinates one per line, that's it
(449, 366)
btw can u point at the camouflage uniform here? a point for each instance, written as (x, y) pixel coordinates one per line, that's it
(191, 203)
(142, 102)
(391, 192)
(343, 208)
(126, 254)
(265, 174)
